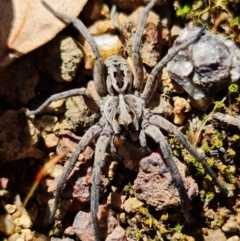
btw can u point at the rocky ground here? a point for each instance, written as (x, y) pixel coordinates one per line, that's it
(139, 200)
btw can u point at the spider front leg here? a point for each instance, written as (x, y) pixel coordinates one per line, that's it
(101, 146)
(87, 138)
(60, 96)
(170, 128)
(136, 58)
(143, 143)
(98, 71)
(154, 132)
(151, 83)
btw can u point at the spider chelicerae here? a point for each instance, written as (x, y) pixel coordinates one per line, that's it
(123, 111)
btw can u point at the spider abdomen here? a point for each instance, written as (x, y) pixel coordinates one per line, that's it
(123, 112)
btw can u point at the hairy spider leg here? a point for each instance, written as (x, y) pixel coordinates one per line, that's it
(87, 138)
(136, 58)
(155, 133)
(98, 70)
(101, 146)
(60, 96)
(164, 124)
(151, 83)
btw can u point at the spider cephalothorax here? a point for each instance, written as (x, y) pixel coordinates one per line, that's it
(123, 111)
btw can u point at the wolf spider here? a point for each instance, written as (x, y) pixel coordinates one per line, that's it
(123, 111)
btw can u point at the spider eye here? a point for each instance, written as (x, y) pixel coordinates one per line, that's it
(127, 128)
(117, 115)
(131, 114)
(118, 76)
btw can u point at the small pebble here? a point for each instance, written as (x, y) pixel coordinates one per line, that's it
(116, 200)
(26, 231)
(20, 239)
(28, 234)
(210, 214)
(60, 58)
(17, 214)
(51, 140)
(122, 218)
(108, 45)
(4, 182)
(178, 118)
(118, 234)
(214, 235)
(224, 212)
(10, 208)
(234, 238)
(3, 193)
(56, 171)
(14, 237)
(7, 225)
(132, 205)
(101, 27)
(69, 231)
(24, 221)
(230, 226)
(238, 218)
(41, 237)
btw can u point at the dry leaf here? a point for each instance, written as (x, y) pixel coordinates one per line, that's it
(27, 24)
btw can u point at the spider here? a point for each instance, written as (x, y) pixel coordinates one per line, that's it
(123, 111)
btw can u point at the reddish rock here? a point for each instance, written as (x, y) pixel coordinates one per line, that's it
(109, 226)
(154, 183)
(69, 231)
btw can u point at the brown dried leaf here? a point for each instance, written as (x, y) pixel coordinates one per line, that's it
(26, 25)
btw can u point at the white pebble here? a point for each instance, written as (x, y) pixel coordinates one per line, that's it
(24, 221)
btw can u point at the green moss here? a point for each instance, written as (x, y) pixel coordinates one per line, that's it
(163, 230)
(231, 153)
(210, 161)
(55, 232)
(235, 137)
(218, 134)
(148, 221)
(200, 171)
(143, 210)
(202, 193)
(222, 167)
(208, 178)
(138, 234)
(238, 98)
(175, 152)
(230, 176)
(235, 22)
(171, 141)
(218, 143)
(204, 116)
(150, 239)
(196, 164)
(178, 227)
(222, 11)
(205, 146)
(128, 190)
(210, 195)
(164, 216)
(183, 11)
(219, 105)
(190, 159)
(233, 88)
(220, 222)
